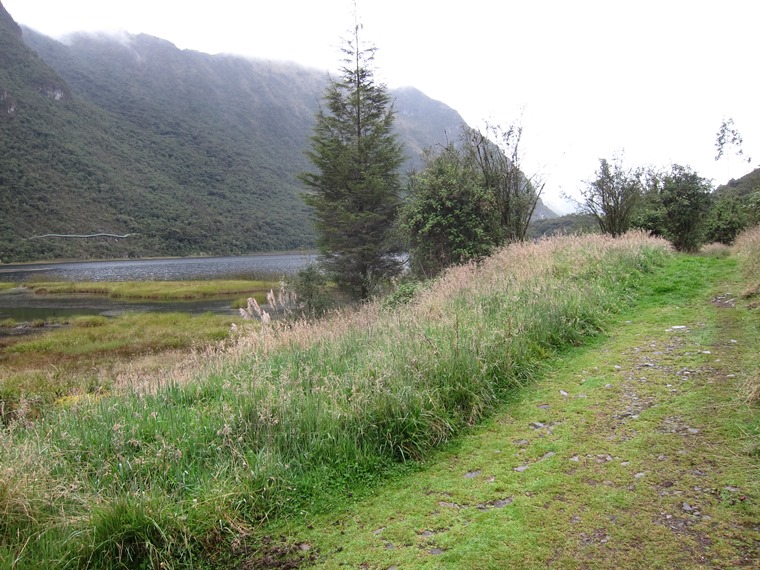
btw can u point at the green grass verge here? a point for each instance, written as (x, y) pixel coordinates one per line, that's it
(645, 456)
(295, 415)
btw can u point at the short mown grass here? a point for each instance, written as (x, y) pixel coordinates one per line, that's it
(294, 415)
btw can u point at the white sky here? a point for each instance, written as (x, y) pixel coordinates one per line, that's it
(652, 78)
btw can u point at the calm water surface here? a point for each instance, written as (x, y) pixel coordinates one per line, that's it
(22, 305)
(182, 269)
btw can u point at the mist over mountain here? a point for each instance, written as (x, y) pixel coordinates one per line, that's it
(187, 152)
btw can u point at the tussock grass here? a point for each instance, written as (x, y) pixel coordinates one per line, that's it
(747, 248)
(36, 323)
(291, 412)
(130, 333)
(716, 249)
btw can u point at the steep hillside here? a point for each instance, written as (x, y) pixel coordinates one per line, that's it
(225, 135)
(742, 187)
(187, 153)
(51, 151)
(562, 225)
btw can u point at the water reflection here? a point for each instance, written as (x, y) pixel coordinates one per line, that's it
(182, 269)
(22, 304)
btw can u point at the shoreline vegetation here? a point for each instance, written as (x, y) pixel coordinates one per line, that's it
(155, 290)
(176, 468)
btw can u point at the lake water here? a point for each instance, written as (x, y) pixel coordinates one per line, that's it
(180, 269)
(23, 305)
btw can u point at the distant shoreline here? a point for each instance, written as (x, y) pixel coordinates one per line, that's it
(157, 258)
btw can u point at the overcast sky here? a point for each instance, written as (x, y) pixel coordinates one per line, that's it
(586, 78)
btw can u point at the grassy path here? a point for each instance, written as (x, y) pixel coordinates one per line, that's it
(636, 452)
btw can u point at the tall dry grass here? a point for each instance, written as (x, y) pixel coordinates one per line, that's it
(291, 410)
(747, 249)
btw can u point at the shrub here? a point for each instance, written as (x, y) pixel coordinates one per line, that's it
(311, 289)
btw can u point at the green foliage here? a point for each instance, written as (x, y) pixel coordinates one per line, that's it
(403, 294)
(650, 213)
(612, 197)
(495, 156)
(311, 289)
(675, 205)
(470, 198)
(745, 191)
(448, 216)
(355, 189)
(685, 197)
(727, 218)
(752, 209)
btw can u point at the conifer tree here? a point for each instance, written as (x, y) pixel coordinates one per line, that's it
(354, 189)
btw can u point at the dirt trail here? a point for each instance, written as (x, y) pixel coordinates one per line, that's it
(677, 472)
(635, 453)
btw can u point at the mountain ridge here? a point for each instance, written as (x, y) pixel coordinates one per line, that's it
(188, 152)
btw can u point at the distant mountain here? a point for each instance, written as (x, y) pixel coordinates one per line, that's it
(562, 225)
(542, 212)
(189, 153)
(741, 187)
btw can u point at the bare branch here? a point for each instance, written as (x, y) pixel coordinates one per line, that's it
(80, 236)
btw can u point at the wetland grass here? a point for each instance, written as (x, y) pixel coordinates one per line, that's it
(155, 290)
(83, 355)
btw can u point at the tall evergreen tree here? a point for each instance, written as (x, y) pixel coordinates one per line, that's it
(355, 188)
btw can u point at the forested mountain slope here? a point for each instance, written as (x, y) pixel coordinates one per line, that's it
(188, 153)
